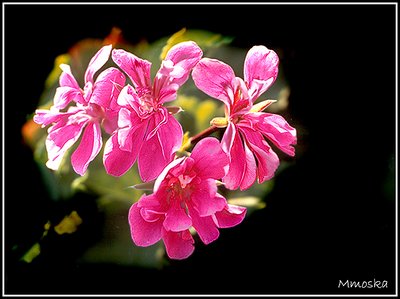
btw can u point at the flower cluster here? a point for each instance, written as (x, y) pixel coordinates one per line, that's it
(140, 128)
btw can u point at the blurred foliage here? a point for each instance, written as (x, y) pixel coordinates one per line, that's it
(114, 194)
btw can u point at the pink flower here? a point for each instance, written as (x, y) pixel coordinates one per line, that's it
(244, 139)
(147, 131)
(96, 105)
(185, 195)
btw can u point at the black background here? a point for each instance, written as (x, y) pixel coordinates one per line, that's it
(329, 218)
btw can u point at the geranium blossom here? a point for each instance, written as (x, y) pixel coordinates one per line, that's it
(147, 130)
(185, 195)
(96, 105)
(244, 141)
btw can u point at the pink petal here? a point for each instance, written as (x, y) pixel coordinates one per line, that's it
(88, 148)
(176, 219)
(205, 200)
(276, 129)
(242, 167)
(260, 70)
(267, 160)
(214, 78)
(45, 117)
(61, 137)
(97, 61)
(179, 245)
(67, 79)
(159, 150)
(131, 134)
(143, 233)
(230, 216)
(110, 121)
(210, 160)
(107, 88)
(206, 228)
(65, 94)
(184, 56)
(137, 69)
(116, 161)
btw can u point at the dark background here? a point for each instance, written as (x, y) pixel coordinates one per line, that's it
(330, 217)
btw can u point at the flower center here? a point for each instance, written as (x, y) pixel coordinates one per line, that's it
(146, 101)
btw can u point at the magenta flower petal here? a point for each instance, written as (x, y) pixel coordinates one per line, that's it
(45, 117)
(159, 150)
(179, 245)
(230, 216)
(107, 88)
(215, 79)
(116, 161)
(211, 160)
(60, 138)
(131, 134)
(97, 61)
(66, 78)
(260, 70)
(185, 56)
(206, 200)
(65, 94)
(176, 219)
(206, 228)
(88, 148)
(242, 168)
(267, 160)
(137, 69)
(143, 233)
(276, 129)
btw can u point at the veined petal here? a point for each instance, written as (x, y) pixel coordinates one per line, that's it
(137, 69)
(116, 161)
(143, 233)
(206, 228)
(242, 167)
(214, 78)
(97, 61)
(107, 87)
(65, 94)
(205, 200)
(210, 160)
(267, 160)
(66, 77)
(178, 245)
(176, 219)
(131, 134)
(230, 216)
(61, 137)
(276, 129)
(260, 70)
(159, 150)
(184, 56)
(88, 148)
(45, 117)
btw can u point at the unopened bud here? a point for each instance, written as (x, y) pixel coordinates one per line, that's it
(219, 122)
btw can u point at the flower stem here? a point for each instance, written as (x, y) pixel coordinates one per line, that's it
(203, 134)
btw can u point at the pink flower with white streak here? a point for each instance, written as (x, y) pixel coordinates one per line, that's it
(96, 105)
(247, 127)
(147, 130)
(185, 195)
